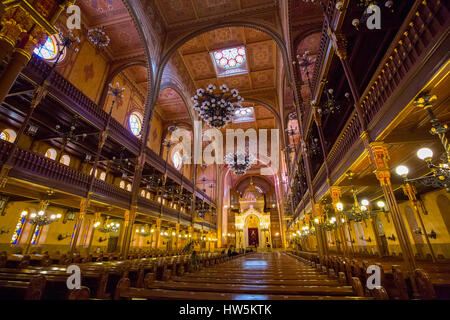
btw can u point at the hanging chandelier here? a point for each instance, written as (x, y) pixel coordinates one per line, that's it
(359, 211)
(42, 219)
(217, 108)
(108, 226)
(239, 162)
(98, 37)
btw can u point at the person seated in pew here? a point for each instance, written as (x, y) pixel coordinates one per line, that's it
(194, 260)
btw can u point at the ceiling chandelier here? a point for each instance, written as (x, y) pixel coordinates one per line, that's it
(98, 37)
(240, 162)
(217, 109)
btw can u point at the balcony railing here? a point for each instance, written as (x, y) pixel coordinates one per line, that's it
(426, 22)
(80, 104)
(36, 168)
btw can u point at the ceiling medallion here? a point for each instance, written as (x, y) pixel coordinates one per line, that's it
(239, 162)
(217, 108)
(98, 37)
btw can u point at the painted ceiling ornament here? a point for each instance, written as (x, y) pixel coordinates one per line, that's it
(98, 37)
(239, 162)
(217, 107)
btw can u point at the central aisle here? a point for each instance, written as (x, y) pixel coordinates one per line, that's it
(256, 276)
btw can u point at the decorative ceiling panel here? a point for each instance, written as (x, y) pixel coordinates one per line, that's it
(224, 38)
(254, 35)
(205, 8)
(241, 82)
(261, 55)
(193, 46)
(177, 10)
(200, 65)
(263, 79)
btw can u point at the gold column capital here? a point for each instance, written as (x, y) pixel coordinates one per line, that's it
(425, 101)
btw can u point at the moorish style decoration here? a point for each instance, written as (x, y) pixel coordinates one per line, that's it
(217, 109)
(239, 162)
(98, 37)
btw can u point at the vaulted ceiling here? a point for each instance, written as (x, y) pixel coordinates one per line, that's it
(261, 58)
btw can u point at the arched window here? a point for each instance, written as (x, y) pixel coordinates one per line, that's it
(129, 187)
(148, 195)
(122, 184)
(143, 193)
(65, 159)
(177, 160)
(135, 123)
(8, 135)
(49, 50)
(51, 153)
(103, 176)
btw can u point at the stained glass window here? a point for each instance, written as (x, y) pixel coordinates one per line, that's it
(35, 238)
(230, 61)
(135, 122)
(49, 50)
(19, 228)
(244, 115)
(177, 160)
(4, 136)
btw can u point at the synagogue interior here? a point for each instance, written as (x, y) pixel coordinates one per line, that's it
(225, 149)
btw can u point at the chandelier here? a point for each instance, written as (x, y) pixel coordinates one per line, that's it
(144, 231)
(98, 37)
(359, 211)
(41, 218)
(239, 162)
(108, 227)
(217, 108)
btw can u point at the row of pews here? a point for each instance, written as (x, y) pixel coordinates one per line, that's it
(254, 276)
(429, 282)
(99, 279)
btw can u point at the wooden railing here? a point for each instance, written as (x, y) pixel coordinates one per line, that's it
(427, 19)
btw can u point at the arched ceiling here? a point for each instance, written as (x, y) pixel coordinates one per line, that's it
(171, 108)
(183, 12)
(261, 58)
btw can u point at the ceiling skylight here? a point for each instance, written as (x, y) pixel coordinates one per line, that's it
(230, 62)
(246, 114)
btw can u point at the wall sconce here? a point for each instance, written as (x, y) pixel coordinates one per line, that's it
(3, 230)
(62, 237)
(366, 240)
(391, 238)
(431, 235)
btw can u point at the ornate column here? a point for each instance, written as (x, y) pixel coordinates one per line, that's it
(383, 175)
(320, 235)
(158, 233)
(84, 204)
(336, 194)
(129, 217)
